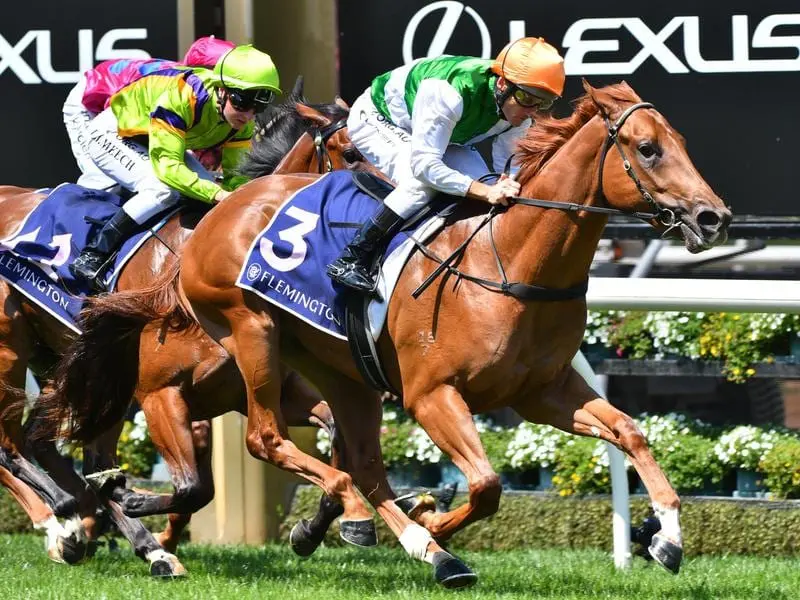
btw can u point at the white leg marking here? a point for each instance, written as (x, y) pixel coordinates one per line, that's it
(670, 523)
(415, 540)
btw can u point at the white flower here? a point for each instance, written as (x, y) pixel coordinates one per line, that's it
(534, 445)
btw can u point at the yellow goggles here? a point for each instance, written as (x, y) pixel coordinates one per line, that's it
(529, 100)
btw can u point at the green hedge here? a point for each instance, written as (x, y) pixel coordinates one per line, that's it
(710, 526)
(14, 520)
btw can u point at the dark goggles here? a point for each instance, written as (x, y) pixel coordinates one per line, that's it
(529, 100)
(245, 100)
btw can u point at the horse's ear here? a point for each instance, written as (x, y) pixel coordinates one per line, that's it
(297, 90)
(604, 101)
(312, 115)
(340, 102)
(627, 88)
(587, 87)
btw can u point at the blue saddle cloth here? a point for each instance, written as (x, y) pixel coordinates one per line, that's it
(286, 262)
(36, 259)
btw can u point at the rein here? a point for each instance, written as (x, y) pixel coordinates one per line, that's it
(321, 137)
(524, 291)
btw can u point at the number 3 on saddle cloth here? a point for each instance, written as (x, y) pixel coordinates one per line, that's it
(35, 259)
(286, 262)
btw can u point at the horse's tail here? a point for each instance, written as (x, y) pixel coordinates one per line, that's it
(95, 380)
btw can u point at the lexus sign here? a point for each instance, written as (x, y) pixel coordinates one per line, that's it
(45, 46)
(727, 76)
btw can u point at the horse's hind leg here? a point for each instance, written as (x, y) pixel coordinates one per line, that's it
(62, 470)
(575, 407)
(446, 418)
(177, 522)
(254, 345)
(358, 416)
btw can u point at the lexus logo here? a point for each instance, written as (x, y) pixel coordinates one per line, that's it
(451, 14)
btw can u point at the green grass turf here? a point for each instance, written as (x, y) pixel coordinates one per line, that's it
(239, 573)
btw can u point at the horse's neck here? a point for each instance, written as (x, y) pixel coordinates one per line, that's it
(298, 159)
(550, 247)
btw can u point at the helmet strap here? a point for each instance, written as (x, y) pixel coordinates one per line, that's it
(500, 97)
(222, 99)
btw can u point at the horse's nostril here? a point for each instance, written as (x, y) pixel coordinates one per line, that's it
(709, 219)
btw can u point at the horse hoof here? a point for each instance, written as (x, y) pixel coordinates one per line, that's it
(451, 572)
(666, 553)
(359, 533)
(415, 504)
(302, 540)
(72, 550)
(167, 566)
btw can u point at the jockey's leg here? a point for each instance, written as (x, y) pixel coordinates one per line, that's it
(128, 163)
(354, 267)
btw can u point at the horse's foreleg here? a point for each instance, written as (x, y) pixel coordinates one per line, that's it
(145, 546)
(576, 407)
(42, 517)
(445, 417)
(302, 404)
(170, 428)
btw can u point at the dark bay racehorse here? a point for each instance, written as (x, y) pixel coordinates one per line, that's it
(29, 328)
(498, 329)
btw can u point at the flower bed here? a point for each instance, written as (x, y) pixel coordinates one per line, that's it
(696, 457)
(740, 341)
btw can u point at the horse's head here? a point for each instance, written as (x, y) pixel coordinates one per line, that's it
(644, 166)
(296, 137)
(333, 149)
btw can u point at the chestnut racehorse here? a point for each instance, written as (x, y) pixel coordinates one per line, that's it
(26, 328)
(469, 345)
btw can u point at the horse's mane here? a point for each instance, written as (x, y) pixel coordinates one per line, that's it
(277, 129)
(549, 134)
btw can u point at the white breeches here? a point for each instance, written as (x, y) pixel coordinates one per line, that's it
(128, 164)
(388, 147)
(76, 119)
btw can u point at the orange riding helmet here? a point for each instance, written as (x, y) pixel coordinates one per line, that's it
(532, 65)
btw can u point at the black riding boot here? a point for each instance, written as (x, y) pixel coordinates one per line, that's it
(353, 268)
(88, 264)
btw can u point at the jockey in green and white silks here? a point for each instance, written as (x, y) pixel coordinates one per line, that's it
(418, 124)
(141, 140)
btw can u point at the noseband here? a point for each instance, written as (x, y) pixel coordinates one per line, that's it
(665, 216)
(321, 137)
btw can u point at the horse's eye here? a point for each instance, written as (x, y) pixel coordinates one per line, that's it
(351, 155)
(648, 150)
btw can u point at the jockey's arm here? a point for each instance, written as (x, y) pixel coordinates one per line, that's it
(504, 145)
(167, 139)
(437, 109)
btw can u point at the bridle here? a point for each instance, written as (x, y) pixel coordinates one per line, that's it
(524, 291)
(663, 215)
(321, 136)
